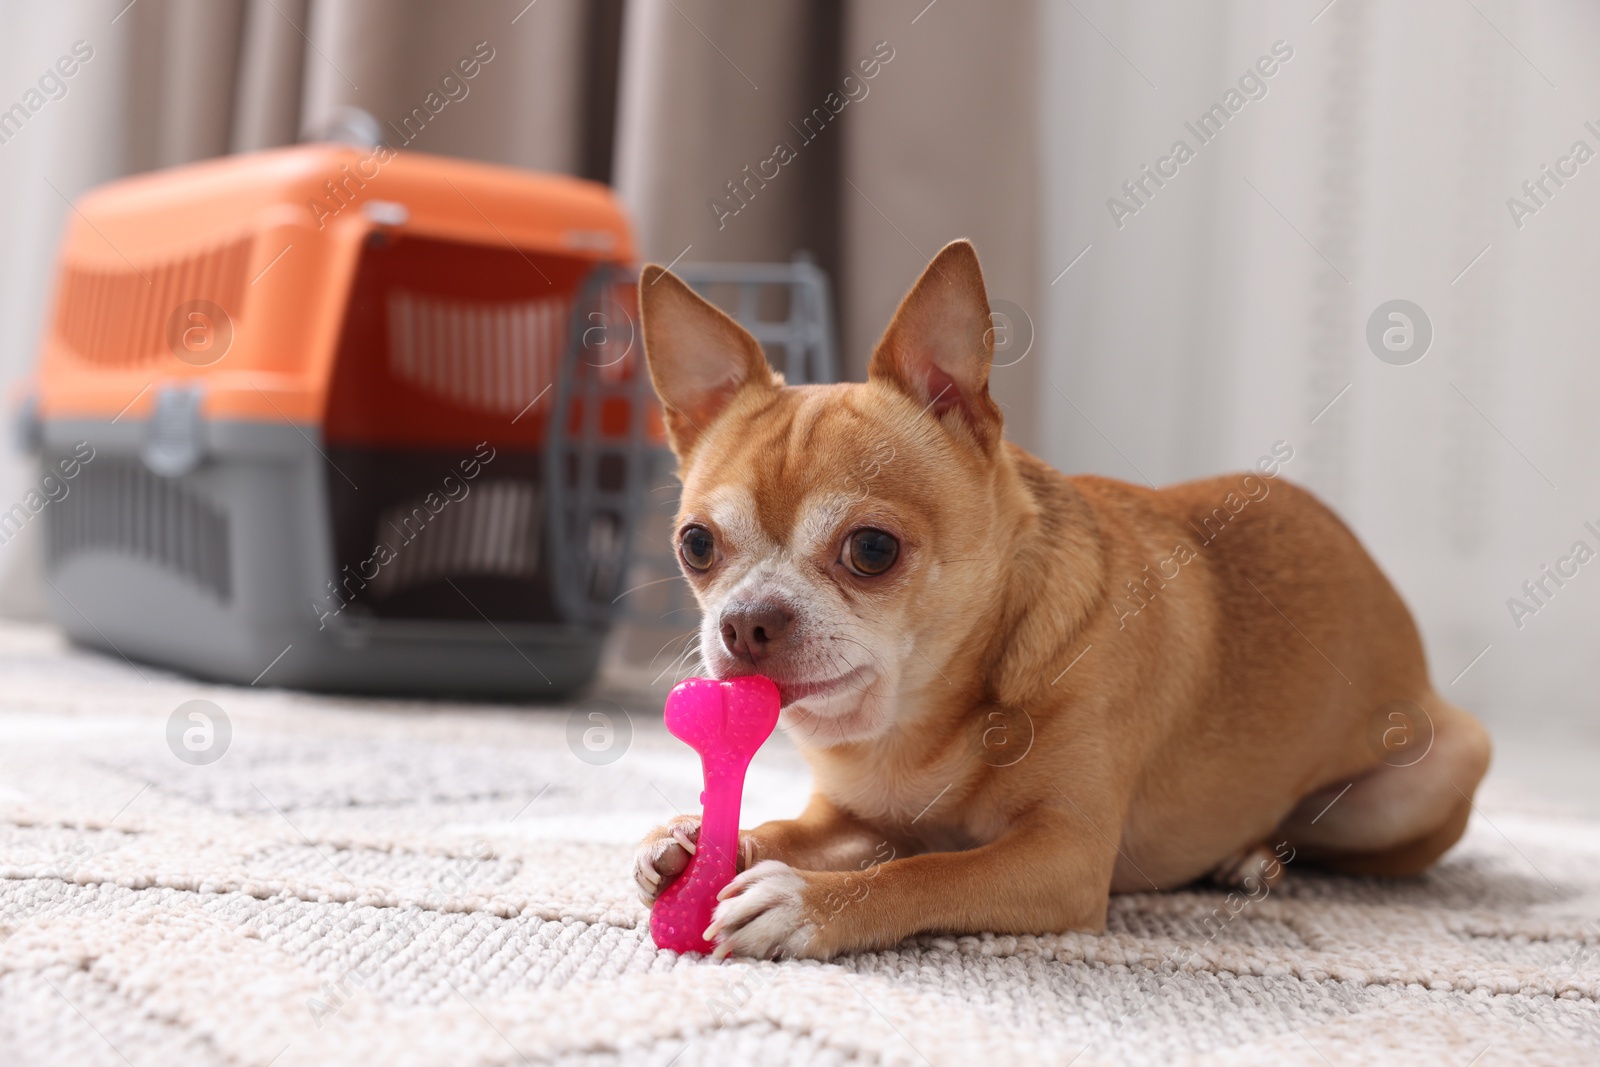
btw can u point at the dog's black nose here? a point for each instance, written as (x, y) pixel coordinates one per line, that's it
(750, 630)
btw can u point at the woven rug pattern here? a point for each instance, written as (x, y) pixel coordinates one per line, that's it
(365, 882)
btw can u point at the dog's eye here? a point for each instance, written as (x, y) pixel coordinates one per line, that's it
(698, 548)
(871, 552)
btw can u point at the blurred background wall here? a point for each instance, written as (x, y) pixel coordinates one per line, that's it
(1161, 327)
(1229, 309)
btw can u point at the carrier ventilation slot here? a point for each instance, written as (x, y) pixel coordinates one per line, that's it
(119, 316)
(119, 506)
(496, 357)
(492, 532)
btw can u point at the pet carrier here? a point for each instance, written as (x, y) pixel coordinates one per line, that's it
(357, 420)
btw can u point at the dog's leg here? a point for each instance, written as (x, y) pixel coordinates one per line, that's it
(823, 838)
(1051, 872)
(1397, 820)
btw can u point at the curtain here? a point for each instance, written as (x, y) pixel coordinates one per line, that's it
(909, 124)
(893, 154)
(1227, 308)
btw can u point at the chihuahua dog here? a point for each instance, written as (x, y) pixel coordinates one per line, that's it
(1020, 692)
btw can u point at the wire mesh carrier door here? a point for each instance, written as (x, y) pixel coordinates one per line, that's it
(548, 376)
(788, 308)
(553, 524)
(604, 436)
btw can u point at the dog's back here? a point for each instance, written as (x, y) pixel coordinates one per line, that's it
(1276, 660)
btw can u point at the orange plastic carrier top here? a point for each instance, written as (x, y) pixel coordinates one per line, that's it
(274, 239)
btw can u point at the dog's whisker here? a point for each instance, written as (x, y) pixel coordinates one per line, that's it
(871, 660)
(845, 670)
(647, 585)
(686, 635)
(687, 662)
(663, 673)
(671, 668)
(849, 670)
(872, 656)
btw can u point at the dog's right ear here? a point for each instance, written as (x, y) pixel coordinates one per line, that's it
(699, 358)
(940, 344)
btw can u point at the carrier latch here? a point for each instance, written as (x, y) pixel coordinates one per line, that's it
(174, 442)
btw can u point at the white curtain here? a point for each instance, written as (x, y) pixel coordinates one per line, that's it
(1227, 308)
(43, 161)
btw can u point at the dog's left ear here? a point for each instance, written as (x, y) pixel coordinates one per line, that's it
(699, 358)
(939, 345)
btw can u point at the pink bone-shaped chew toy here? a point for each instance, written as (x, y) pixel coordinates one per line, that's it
(725, 722)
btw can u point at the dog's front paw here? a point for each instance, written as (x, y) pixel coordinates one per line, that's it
(663, 855)
(765, 913)
(665, 852)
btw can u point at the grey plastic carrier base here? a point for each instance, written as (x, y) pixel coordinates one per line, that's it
(217, 572)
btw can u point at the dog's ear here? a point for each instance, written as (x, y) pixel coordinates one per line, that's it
(939, 345)
(699, 357)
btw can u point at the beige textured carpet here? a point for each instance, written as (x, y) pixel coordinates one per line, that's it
(371, 882)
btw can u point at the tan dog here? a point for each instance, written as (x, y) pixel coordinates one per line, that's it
(1019, 691)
